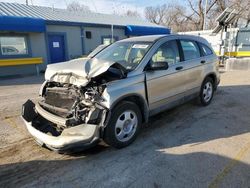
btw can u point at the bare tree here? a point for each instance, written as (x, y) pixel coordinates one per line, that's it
(75, 6)
(243, 6)
(168, 15)
(192, 16)
(175, 15)
(156, 14)
(197, 15)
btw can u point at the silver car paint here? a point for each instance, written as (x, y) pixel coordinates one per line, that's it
(162, 87)
(154, 90)
(121, 89)
(77, 71)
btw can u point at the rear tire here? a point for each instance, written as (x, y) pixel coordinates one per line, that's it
(124, 125)
(207, 91)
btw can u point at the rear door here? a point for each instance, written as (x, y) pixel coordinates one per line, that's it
(194, 65)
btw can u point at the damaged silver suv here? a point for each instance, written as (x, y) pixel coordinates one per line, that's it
(108, 96)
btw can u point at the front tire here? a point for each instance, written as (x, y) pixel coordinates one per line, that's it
(207, 91)
(124, 125)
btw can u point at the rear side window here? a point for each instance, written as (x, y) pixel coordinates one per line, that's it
(190, 49)
(206, 50)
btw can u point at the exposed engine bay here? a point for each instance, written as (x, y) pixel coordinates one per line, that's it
(73, 108)
(79, 104)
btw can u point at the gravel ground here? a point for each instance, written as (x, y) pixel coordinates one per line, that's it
(189, 146)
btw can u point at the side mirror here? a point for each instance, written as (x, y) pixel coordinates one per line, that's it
(159, 65)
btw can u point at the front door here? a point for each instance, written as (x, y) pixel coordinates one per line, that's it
(56, 48)
(165, 86)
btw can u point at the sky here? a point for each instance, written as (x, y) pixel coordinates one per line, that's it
(101, 6)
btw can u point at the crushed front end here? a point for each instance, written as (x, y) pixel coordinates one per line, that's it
(67, 116)
(70, 112)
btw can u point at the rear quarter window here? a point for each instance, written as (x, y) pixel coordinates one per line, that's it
(205, 50)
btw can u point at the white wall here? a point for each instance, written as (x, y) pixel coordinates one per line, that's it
(215, 39)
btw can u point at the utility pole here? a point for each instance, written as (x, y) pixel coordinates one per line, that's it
(27, 2)
(205, 16)
(112, 33)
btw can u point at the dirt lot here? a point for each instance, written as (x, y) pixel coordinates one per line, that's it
(189, 146)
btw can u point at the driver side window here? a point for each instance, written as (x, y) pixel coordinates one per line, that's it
(167, 52)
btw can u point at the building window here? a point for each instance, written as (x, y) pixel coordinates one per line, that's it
(88, 35)
(13, 45)
(108, 40)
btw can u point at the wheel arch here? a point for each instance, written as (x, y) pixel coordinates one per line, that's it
(138, 100)
(213, 77)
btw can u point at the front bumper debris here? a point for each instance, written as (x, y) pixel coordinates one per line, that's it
(38, 122)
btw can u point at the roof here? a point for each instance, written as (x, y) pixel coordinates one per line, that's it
(63, 15)
(153, 38)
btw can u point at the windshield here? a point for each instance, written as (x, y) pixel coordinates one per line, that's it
(128, 54)
(97, 50)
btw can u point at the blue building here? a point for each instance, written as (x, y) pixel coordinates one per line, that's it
(33, 36)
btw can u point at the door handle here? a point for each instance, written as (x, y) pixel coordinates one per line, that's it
(179, 68)
(203, 61)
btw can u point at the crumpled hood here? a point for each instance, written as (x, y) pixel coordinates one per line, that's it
(77, 71)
